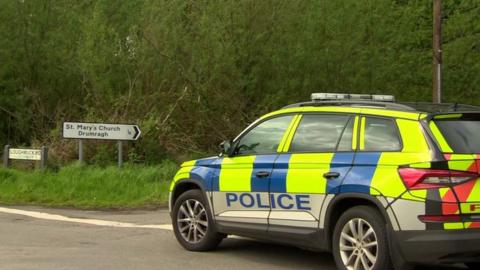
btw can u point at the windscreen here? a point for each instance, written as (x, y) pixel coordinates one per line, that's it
(463, 136)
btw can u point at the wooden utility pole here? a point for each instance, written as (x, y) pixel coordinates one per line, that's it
(437, 51)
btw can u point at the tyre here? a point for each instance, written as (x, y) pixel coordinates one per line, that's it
(473, 265)
(360, 240)
(193, 223)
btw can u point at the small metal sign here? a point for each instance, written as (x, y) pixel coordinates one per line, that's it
(99, 131)
(25, 154)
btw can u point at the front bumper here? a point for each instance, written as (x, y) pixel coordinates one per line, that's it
(439, 246)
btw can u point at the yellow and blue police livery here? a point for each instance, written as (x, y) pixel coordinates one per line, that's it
(371, 180)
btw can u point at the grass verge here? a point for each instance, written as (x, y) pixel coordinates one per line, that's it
(89, 186)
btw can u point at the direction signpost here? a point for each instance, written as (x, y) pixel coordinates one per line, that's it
(101, 131)
(118, 132)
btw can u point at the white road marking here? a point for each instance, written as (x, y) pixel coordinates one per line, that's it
(96, 222)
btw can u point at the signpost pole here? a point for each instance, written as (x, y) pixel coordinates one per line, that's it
(6, 158)
(437, 51)
(44, 158)
(120, 154)
(80, 151)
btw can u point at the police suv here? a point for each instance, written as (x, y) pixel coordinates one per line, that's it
(379, 184)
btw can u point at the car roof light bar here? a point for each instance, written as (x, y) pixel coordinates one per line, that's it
(340, 96)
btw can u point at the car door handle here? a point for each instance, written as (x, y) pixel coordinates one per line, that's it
(331, 175)
(263, 174)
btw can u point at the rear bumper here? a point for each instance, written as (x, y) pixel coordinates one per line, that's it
(439, 246)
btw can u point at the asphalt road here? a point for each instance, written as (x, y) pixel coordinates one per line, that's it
(31, 243)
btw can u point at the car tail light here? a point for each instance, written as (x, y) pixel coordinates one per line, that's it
(445, 218)
(448, 218)
(431, 178)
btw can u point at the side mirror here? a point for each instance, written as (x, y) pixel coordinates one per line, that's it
(226, 147)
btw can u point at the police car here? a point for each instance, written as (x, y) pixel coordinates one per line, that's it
(377, 183)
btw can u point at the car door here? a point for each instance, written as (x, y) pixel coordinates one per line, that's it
(315, 159)
(242, 199)
(376, 158)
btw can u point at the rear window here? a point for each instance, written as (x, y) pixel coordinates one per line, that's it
(463, 136)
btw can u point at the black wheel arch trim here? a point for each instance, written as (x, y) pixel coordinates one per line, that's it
(184, 181)
(346, 196)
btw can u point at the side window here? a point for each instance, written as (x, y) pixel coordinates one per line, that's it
(319, 133)
(265, 137)
(381, 135)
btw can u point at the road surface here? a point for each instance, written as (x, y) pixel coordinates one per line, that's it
(43, 244)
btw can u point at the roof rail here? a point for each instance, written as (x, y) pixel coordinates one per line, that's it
(381, 101)
(441, 107)
(354, 103)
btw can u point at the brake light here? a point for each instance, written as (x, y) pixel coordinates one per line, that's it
(431, 178)
(448, 218)
(445, 218)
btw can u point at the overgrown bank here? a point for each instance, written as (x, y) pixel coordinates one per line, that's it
(89, 186)
(194, 73)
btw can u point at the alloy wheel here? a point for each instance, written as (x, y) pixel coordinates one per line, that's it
(358, 245)
(192, 221)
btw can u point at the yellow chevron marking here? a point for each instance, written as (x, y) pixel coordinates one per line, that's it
(386, 177)
(459, 165)
(183, 173)
(412, 136)
(448, 116)
(453, 226)
(439, 137)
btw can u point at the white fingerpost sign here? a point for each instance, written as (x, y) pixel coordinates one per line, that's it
(96, 131)
(100, 131)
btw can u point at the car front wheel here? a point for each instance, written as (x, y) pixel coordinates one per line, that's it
(193, 224)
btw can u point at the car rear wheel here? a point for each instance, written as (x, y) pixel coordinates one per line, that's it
(360, 240)
(193, 224)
